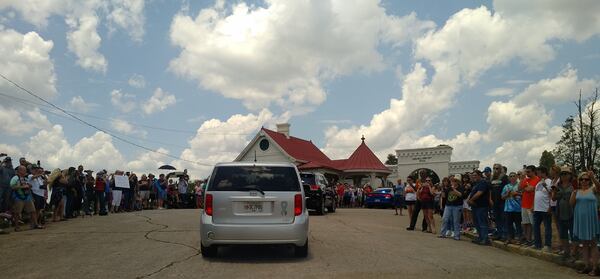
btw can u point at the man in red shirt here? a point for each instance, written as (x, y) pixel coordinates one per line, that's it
(527, 189)
(340, 194)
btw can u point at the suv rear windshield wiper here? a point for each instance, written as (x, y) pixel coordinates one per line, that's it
(254, 187)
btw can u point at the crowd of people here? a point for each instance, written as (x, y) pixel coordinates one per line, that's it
(512, 207)
(350, 196)
(72, 192)
(493, 204)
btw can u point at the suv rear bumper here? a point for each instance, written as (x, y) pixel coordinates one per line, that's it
(295, 233)
(313, 199)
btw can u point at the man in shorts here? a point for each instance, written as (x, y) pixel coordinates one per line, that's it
(527, 189)
(22, 198)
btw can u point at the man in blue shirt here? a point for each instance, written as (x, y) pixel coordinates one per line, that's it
(479, 199)
(399, 196)
(512, 208)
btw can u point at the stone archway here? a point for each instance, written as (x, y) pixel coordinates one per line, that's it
(436, 159)
(435, 178)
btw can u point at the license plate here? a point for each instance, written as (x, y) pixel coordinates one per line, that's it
(253, 207)
(377, 200)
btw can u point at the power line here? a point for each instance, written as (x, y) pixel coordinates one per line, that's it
(25, 104)
(100, 129)
(21, 100)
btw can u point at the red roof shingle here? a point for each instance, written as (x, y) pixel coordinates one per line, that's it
(364, 159)
(302, 150)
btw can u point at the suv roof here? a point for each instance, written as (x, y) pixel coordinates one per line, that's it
(311, 172)
(262, 164)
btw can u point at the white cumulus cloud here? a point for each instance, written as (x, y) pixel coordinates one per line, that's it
(471, 42)
(123, 101)
(159, 101)
(83, 19)
(94, 152)
(26, 61)
(79, 104)
(263, 56)
(124, 127)
(128, 15)
(221, 141)
(137, 81)
(19, 121)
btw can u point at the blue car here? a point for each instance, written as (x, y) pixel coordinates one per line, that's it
(381, 197)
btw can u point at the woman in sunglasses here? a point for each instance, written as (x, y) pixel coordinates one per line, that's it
(586, 227)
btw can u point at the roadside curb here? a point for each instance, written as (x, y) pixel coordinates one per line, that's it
(530, 252)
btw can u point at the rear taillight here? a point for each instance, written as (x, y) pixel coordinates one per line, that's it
(388, 196)
(297, 204)
(369, 195)
(314, 187)
(208, 205)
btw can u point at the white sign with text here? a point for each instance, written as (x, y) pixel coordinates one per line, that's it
(121, 181)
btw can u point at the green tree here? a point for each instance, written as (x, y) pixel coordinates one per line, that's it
(391, 160)
(547, 159)
(579, 145)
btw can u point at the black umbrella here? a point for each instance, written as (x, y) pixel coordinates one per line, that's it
(167, 167)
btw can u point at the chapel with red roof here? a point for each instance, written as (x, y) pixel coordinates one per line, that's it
(279, 146)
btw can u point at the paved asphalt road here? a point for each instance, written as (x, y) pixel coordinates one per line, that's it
(351, 243)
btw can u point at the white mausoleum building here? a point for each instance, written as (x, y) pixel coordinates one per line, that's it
(435, 159)
(361, 167)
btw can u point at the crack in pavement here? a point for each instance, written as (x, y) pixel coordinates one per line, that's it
(163, 227)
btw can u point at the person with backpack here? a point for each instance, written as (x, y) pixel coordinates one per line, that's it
(23, 199)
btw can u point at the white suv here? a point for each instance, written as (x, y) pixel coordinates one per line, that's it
(254, 203)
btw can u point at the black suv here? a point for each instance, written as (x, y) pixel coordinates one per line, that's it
(319, 194)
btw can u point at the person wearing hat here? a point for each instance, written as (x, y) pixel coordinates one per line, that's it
(7, 172)
(561, 193)
(58, 184)
(487, 173)
(512, 208)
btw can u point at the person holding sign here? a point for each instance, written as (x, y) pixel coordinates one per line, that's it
(119, 183)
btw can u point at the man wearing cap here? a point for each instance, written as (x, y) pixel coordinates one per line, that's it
(487, 174)
(7, 172)
(38, 183)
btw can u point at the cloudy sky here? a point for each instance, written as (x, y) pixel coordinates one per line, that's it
(197, 79)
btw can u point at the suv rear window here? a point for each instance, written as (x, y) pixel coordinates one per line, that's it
(239, 178)
(308, 178)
